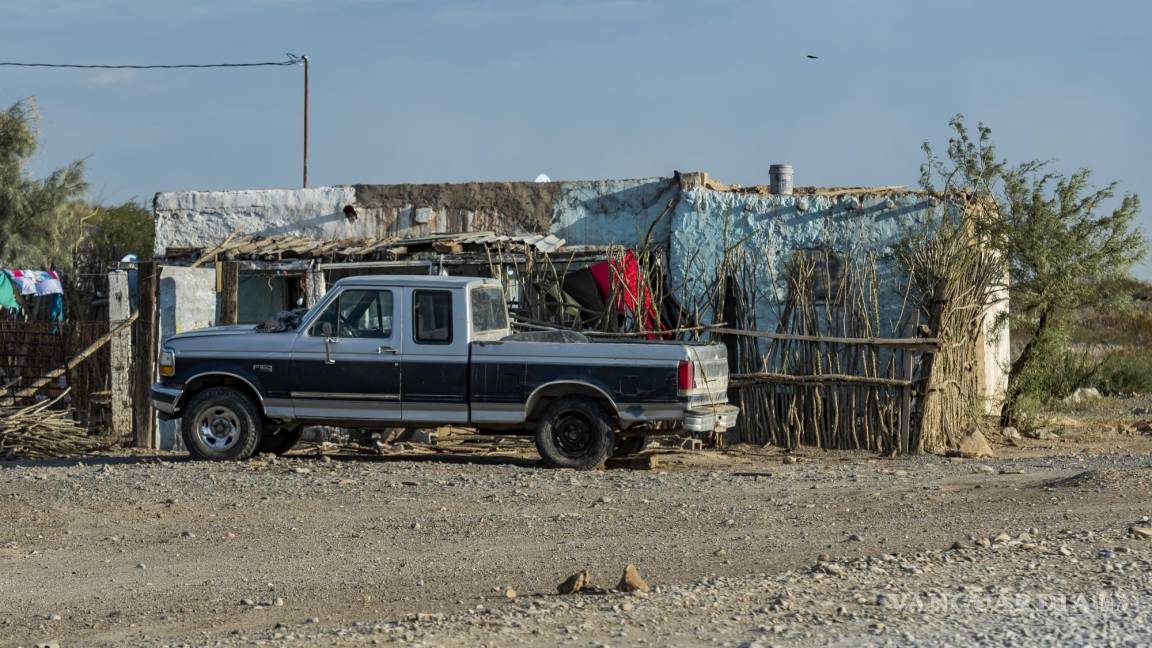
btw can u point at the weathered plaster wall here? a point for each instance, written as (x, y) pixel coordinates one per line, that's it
(607, 212)
(204, 218)
(583, 212)
(770, 228)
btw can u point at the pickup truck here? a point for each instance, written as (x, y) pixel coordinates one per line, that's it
(422, 351)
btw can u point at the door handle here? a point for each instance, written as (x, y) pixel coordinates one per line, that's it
(328, 342)
(385, 349)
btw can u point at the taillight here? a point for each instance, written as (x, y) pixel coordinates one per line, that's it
(685, 375)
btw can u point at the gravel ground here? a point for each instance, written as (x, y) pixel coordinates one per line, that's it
(740, 548)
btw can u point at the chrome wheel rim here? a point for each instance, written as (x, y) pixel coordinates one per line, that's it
(218, 427)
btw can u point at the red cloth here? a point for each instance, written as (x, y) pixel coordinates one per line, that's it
(623, 277)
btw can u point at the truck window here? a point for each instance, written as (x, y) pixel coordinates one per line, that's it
(432, 313)
(488, 312)
(358, 314)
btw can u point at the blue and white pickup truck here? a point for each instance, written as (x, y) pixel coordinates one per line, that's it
(421, 351)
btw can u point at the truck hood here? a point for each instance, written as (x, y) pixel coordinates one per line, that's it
(214, 331)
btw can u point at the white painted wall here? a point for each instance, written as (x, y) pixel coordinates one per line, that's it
(204, 218)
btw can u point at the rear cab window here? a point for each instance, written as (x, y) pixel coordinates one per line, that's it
(488, 310)
(432, 316)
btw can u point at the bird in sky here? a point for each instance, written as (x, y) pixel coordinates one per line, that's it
(813, 56)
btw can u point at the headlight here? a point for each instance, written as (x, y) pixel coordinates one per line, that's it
(167, 362)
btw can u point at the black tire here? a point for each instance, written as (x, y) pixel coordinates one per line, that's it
(574, 433)
(221, 424)
(629, 446)
(279, 440)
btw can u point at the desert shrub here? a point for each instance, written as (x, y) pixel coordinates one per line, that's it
(1125, 371)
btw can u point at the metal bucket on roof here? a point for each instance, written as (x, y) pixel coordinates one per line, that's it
(780, 179)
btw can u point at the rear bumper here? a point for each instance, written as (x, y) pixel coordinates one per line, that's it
(711, 418)
(166, 400)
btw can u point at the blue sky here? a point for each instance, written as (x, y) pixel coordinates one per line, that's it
(428, 91)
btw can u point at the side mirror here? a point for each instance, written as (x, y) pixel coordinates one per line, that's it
(326, 329)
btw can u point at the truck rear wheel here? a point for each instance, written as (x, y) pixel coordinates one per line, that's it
(220, 424)
(574, 433)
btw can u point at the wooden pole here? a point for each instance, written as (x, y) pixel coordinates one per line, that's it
(228, 278)
(120, 380)
(144, 355)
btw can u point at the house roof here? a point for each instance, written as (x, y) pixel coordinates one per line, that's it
(279, 248)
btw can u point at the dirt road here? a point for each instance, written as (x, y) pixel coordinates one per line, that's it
(740, 548)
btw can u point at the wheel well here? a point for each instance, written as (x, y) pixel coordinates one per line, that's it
(200, 383)
(542, 397)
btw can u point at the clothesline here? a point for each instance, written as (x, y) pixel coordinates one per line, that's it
(32, 283)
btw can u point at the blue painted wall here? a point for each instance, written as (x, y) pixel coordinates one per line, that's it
(613, 212)
(770, 228)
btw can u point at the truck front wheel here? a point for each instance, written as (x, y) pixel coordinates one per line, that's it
(574, 433)
(222, 424)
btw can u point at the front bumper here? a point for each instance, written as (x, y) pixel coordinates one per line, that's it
(711, 418)
(166, 400)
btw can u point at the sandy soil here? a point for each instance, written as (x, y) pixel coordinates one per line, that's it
(741, 548)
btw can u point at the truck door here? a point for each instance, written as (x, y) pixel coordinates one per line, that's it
(435, 388)
(346, 365)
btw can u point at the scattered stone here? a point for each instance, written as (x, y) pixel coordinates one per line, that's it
(961, 545)
(984, 469)
(631, 581)
(53, 617)
(312, 619)
(1012, 433)
(852, 537)
(247, 601)
(510, 593)
(573, 583)
(278, 602)
(1065, 551)
(975, 446)
(1140, 533)
(187, 534)
(789, 459)
(1083, 394)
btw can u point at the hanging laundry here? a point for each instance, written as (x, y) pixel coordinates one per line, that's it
(48, 283)
(25, 279)
(7, 294)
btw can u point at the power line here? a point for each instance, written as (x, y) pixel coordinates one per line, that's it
(292, 60)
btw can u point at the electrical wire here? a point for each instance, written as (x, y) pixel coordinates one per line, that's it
(292, 60)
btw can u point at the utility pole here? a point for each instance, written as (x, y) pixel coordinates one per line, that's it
(305, 59)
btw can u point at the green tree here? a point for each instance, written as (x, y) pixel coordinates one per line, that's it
(1065, 243)
(116, 231)
(41, 219)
